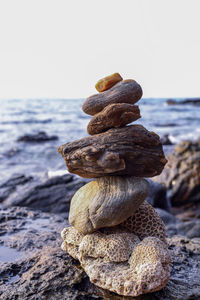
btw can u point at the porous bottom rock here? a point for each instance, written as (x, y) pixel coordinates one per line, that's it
(117, 260)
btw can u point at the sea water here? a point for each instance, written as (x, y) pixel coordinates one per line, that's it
(64, 118)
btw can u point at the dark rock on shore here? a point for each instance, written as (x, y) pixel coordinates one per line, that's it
(157, 195)
(41, 270)
(9, 186)
(130, 150)
(193, 101)
(165, 140)
(51, 195)
(181, 175)
(39, 137)
(175, 226)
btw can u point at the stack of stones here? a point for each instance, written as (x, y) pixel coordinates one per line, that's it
(118, 238)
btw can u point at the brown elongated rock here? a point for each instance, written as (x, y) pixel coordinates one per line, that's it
(113, 115)
(108, 82)
(130, 150)
(125, 91)
(106, 202)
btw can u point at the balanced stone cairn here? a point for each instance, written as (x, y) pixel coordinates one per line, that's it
(118, 237)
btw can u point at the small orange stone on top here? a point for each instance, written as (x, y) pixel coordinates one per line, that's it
(107, 82)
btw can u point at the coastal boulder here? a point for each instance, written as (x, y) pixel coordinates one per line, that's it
(182, 174)
(47, 194)
(39, 137)
(130, 150)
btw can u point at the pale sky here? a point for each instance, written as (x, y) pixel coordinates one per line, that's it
(60, 48)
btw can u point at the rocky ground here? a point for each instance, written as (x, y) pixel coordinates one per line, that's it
(32, 265)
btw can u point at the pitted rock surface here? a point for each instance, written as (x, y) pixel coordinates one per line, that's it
(146, 222)
(119, 261)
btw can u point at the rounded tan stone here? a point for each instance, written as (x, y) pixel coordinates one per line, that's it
(114, 115)
(106, 202)
(125, 91)
(108, 82)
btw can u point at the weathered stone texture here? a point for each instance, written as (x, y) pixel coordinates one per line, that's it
(113, 116)
(131, 150)
(126, 91)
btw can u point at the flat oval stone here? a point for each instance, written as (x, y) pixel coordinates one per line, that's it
(130, 150)
(108, 82)
(106, 202)
(126, 91)
(113, 115)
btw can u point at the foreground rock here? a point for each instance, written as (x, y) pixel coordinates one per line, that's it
(105, 202)
(113, 116)
(181, 175)
(126, 91)
(131, 150)
(37, 138)
(108, 82)
(33, 263)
